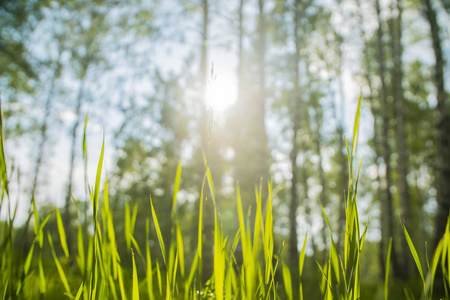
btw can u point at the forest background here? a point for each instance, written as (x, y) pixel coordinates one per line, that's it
(265, 89)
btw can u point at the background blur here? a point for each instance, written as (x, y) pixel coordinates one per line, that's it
(267, 89)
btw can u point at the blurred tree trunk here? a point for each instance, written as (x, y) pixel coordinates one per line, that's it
(78, 103)
(204, 118)
(376, 137)
(443, 126)
(261, 151)
(385, 142)
(205, 131)
(295, 111)
(395, 24)
(44, 126)
(343, 161)
(43, 137)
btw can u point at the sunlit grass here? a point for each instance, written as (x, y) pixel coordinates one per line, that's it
(101, 274)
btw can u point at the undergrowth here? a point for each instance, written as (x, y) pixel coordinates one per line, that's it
(101, 274)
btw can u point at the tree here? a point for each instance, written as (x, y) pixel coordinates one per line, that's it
(395, 28)
(375, 110)
(383, 95)
(443, 124)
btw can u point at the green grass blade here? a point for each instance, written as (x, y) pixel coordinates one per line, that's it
(149, 273)
(209, 178)
(180, 250)
(85, 158)
(79, 292)
(257, 230)
(268, 237)
(97, 179)
(302, 256)
(26, 266)
(61, 272)
(42, 284)
(386, 275)
(135, 279)
(432, 272)
(356, 127)
(219, 260)
(121, 286)
(41, 231)
(133, 219)
(127, 225)
(287, 281)
(5, 289)
(158, 275)
(81, 257)
(301, 262)
(192, 272)
(175, 190)
(228, 280)
(414, 253)
(62, 233)
(136, 245)
(158, 232)
(36, 217)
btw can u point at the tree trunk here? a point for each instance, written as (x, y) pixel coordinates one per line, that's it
(261, 152)
(295, 110)
(206, 130)
(443, 126)
(74, 130)
(402, 169)
(385, 141)
(375, 113)
(205, 125)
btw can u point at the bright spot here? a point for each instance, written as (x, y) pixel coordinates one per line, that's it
(221, 93)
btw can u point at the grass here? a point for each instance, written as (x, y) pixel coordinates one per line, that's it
(101, 274)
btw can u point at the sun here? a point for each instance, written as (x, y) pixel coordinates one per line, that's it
(221, 93)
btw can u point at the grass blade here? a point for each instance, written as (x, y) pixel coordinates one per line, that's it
(301, 262)
(62, 233)
(135, 279)
(80, 291)
(175, 190)
(158, 232)
(287, 281)
(386, 275)
(414, 253)
(26, 266)
(61, 273)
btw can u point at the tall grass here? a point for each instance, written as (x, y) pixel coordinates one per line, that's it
(101, 274)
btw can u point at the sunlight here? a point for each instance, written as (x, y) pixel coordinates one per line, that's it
(221, 93)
